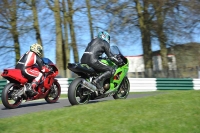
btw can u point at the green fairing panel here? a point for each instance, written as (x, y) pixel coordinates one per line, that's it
(122, 71)
(108, 62)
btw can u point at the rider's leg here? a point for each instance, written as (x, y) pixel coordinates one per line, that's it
(107, 73)
(101, 79)
(31, 89)
(37, 76)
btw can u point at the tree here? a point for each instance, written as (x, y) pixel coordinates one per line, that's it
(72, 31)
(89, 18)
(158, 26)
(66, 46)
(8, 23)
(36, 26)
(144, 24)
(59, 37)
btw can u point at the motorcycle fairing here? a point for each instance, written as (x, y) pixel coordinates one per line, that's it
(48, 82)
(119, 75)
(14, 75)
(107, 62)
(79, 69)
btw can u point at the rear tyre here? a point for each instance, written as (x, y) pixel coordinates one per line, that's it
(123, 90)
(75, 93)
(54, 93)
(8, 96)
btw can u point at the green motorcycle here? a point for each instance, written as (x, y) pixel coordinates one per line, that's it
(81, 89)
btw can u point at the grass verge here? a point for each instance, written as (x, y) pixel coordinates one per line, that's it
(176, 112)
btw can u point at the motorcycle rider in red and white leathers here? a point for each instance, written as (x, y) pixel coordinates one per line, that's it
(32, 67)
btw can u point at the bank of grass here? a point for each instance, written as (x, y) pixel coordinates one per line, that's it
(176, 112)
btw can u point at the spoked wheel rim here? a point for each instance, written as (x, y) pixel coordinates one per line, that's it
(80, 98)
(11, 101)
(123, 89)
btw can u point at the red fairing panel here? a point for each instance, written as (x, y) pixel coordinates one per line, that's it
(14, 74)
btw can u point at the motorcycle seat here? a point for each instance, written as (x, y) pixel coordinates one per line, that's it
(81, 68)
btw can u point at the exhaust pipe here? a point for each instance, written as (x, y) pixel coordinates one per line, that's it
(20, 93)
(89, 85)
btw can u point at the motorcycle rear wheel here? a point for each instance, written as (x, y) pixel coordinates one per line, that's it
(123, 90)
(54, 94)
(7, 96)
(75, 93)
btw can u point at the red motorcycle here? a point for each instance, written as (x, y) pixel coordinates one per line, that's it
(15, 92)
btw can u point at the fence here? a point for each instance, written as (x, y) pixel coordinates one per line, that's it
(140, 84)
(3, 82)
(152, 84)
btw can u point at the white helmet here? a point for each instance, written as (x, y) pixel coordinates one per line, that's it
(36, 48)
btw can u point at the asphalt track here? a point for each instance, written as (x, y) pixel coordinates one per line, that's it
(41, 105)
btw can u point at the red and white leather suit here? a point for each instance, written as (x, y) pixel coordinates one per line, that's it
(31, 66)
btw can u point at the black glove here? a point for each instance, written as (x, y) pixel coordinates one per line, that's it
(117, 60)
(120, 61)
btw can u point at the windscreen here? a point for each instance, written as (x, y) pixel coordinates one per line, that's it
(114, 50)
(47, 61)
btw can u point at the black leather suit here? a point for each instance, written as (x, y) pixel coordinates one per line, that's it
(94, 50)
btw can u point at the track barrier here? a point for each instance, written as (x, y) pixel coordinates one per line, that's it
(139, 84)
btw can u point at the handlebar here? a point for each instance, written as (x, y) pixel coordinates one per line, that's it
(119, 57)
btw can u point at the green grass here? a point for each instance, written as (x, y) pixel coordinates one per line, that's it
(63, 96)
(175, 112)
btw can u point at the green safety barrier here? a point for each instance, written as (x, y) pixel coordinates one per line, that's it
(3, 82)
(70, 80)
(167, 83)
(174, 84)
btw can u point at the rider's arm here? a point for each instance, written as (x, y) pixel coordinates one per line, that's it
(39, 62)
(109, 54)
(41, 65)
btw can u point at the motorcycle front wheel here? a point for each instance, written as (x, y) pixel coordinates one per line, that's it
(54, 93)
(8, 97)
(76, 93)
(123, 90)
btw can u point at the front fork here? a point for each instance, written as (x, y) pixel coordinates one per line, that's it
(53, 91)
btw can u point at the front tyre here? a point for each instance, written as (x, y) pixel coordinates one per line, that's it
(76, 91)
(54, 93)
(8, 96)
(123, 90)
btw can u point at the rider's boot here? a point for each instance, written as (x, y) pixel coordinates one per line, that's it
(31, 90)
(100, 80)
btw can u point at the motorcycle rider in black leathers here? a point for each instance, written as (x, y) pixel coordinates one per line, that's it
(91, 56)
